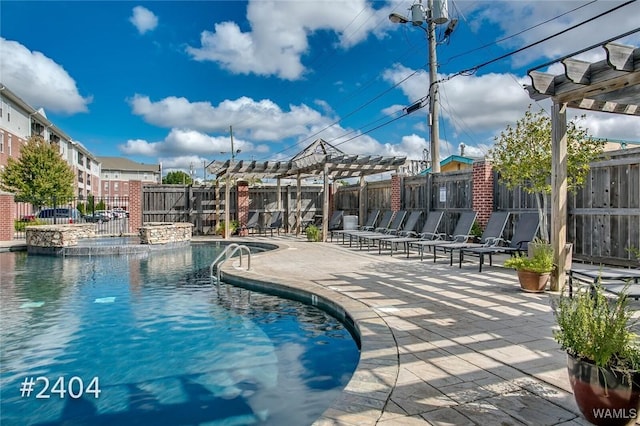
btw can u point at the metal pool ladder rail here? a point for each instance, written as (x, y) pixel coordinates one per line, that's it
(228, 252)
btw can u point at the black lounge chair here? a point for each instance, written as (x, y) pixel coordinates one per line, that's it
(335, 222)
(369, 224)
(253, 222)
(460, 234)
(395, 231)
(526, 229)
(275, 223)
(491, 236)
(429, 232)
(384, 224)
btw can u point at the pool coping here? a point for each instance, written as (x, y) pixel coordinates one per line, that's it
(378, 346)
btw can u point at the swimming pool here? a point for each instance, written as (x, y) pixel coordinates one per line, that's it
(148, 339)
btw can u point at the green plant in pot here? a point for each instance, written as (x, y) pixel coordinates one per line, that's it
(603, 355)
(534, 270)
(313, 233)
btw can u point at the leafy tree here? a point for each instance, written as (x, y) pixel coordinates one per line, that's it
(522, 157)
(39, 174)
(177, 177)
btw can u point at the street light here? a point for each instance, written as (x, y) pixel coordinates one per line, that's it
(433, 15)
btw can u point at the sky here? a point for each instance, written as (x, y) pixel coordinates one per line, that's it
(165, 81)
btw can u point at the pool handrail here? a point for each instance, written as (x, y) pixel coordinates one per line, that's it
(228, 252)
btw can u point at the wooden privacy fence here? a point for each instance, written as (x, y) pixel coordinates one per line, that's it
(603, 216)
(203, 206)
(603, 219)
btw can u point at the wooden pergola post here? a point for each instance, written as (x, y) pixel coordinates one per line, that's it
(298, 204)
(325, 203)
(559, 186)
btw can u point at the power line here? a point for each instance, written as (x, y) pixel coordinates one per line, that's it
(518, 33)
(473, 70)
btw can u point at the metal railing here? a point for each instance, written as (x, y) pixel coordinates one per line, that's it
(228, 252)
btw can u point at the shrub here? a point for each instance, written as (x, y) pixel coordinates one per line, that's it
(598, 329)
(541, 260)
(313, 233)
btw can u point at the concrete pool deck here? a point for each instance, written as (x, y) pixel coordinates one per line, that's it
(440, 345)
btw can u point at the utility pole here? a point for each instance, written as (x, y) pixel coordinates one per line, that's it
(433, 93)
(435, 14)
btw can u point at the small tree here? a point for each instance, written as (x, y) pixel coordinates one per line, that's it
(177, 177)
(522, 157)
(39, 174)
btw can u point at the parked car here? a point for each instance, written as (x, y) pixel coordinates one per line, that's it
(60, 215)
(97, 217)
(106, 213)
(119, 213)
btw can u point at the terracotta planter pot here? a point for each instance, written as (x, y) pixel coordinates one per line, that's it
(533, 282)
(604, 397)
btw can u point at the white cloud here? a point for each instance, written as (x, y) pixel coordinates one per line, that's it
(258, 120)
(279, 34)
(143, 19)
(180, 142)
(39, 80)
(509, 16)
(472, 104)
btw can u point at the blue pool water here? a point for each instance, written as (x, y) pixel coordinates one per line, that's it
(167, 346)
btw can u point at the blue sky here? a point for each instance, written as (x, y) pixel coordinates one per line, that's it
(164, 80)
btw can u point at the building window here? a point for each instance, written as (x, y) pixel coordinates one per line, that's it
(9, 145)
(1, 142)
(106, 176)
(115, 186)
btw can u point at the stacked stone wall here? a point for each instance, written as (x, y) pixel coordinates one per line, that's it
(164, 233)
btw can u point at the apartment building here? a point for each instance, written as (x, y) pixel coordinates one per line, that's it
(19, 121)
(116, 172)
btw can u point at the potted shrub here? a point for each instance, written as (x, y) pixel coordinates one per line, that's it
(313, 233)
(603, 355)
(533, 270)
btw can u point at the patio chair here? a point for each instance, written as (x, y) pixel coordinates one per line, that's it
(460, 234)
(336, 220)
(395, 232)
(369, 224)
(274, 223)
(393, 227)
(253, 222)
(526, 229)
(429, 232)
(491, 236)
(383, 225)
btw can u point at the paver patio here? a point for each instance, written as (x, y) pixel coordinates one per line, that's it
(440, 345)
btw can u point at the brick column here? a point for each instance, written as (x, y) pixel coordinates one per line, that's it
(396, 190)
(483, 190)
(242, 190)
(135, 205)
(7, 213)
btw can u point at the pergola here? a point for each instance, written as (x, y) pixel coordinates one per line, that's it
(319, 158)
(610, 85)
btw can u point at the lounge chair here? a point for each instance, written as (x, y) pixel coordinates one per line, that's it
(253, 222)
(429, 232)
(526, 229)
(275, 223)
(395, 232)
(383, 225)
(460, 234)
(336, 220)
(369, 224)
(491, 236)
